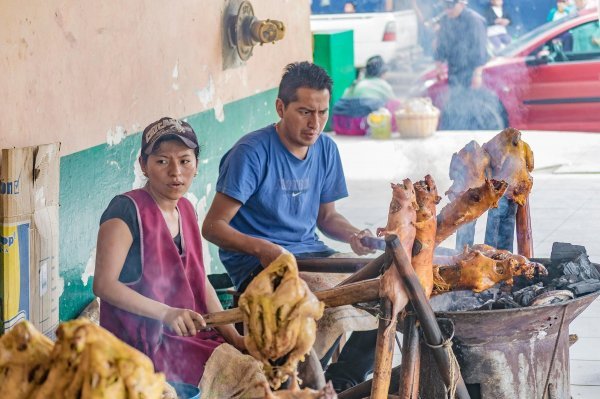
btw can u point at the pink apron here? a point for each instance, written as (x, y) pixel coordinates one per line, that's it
(174, 279)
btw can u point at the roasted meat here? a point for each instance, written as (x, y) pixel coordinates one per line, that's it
(511, 160)
(482, 266)
(296, 393)
(523, 266)
(468, 206)
(279, 314)
(401, 222)
(477, 272)
(426, 225)
(468, 168)
(24, 360)
(88, 362)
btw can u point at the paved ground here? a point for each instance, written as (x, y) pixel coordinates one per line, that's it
(564, 205)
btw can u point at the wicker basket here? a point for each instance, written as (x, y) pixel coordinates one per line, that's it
(417, 125)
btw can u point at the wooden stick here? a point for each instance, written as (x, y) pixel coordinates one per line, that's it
(363, 389)
(411, 351)
(363, 291)
(384, 351)
(369, 271)
(332, 265)
(431, 330)
(523, 226)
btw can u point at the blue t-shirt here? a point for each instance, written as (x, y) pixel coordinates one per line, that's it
(280, 194)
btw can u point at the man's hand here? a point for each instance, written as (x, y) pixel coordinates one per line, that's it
(269, 253)
(477, 79)
(356, 245)
(502, 21)
(183, 322)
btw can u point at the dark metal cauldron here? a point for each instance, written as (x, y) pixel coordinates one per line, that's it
(514, 353)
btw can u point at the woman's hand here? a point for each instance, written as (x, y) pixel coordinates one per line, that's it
(183, 322)
(357, 246)
(238, 343)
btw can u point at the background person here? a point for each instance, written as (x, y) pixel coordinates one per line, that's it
(276, 186)
(497, 19)
(149, 268)
(372, 85)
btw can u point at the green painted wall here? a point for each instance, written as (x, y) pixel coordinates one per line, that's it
(90, 179)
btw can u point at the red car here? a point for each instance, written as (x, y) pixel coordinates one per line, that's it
(548, 79)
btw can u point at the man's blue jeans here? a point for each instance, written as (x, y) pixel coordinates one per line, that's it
(500, 228)
(465, 235)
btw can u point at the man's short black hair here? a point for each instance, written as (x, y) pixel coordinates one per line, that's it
(302, 74)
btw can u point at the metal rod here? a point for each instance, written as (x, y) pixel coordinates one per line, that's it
(431, 330)
(332, 265)
(411, 352)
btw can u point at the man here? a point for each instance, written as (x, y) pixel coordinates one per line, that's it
(462, 40)
(276, 186)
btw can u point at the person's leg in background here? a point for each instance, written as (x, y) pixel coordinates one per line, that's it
(465, 235)
(500, 228)
(355, 361)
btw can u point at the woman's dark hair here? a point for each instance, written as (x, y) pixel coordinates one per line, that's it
(161, 140)
(375, 66)
(302, 74)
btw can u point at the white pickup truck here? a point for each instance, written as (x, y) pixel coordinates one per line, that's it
(381, 27)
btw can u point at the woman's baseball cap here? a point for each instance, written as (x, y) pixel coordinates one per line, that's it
(168, 127)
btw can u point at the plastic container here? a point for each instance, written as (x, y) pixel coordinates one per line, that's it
(349, 125)
(186, 391)
(380, 124)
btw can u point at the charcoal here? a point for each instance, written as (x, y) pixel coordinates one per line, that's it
(565, 252)
(585, 287)
(526, 295)
(456, 301)
(581, 267)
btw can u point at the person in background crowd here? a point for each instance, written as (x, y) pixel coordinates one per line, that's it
(276, 186)
(462, 45)
(149, 270)
(372, 85)
(560, 11)
(497, 21)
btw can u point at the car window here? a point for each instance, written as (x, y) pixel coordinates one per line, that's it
(358, 6)
(581, 43)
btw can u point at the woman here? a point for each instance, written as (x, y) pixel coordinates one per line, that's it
(149, 269)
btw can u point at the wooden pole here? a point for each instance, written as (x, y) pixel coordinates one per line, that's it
(523, 226)
(431, 330)
(369, 271)
(362, 291)
(363, 390)
(384, 351)
(411, 351)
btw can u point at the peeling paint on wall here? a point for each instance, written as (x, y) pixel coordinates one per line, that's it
(139, 180)
(89, 268)
(175, 76)
(219, 112)
(206, 94)
(201, 208)
(115, 136)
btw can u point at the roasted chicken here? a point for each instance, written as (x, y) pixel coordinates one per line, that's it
(469, 168)
(511, 160)
(402, 218)
(24, 360)
(468, 206)
(280, 314)
(88, 362)
(296, 393)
